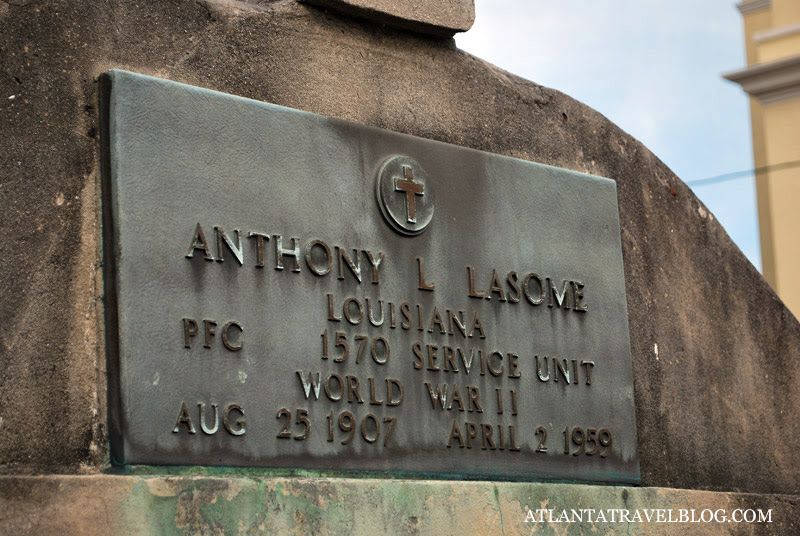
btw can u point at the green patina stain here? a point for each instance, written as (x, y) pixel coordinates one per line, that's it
(234, 500)
(156, 513)
(246, 510)
(411, 500)
(213, 471)
(252, 505)
(304, 505)
(235, 506)
(229, 506)
(246, 505)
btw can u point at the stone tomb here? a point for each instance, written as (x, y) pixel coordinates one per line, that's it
(289, 290)
(715, 354)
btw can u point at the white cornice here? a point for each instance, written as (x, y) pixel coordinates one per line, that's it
(770, 82)
(776, 33)
(753, 5)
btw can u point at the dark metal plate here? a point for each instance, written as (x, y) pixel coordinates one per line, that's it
(283, 291)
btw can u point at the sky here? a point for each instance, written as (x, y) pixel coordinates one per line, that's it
(653, 68)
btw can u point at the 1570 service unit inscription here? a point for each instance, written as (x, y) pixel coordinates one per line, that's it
(288, 290)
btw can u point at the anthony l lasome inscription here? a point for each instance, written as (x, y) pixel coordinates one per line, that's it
(288, 290)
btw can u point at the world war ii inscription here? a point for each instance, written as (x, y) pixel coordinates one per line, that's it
(288, 290)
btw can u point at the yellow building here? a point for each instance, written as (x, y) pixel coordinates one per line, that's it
(772, 79)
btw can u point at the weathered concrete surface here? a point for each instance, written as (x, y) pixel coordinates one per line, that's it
(435, 17)
(716, 355)
(129, 505)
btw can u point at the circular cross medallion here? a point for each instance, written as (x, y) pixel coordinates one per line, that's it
(405, 195)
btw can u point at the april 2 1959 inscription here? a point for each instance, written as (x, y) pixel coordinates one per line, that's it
(288, 290)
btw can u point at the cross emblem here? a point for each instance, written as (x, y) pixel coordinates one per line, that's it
(400, 180)
(412, 189)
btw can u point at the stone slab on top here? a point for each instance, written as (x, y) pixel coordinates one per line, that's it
(435, 17)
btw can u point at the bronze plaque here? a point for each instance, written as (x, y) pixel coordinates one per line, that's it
(288, 290)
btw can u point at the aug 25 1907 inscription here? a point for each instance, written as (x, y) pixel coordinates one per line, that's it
(288, 290)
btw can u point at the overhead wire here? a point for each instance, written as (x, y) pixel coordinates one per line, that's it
(741, 174)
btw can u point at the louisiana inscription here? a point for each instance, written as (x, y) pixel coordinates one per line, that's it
(288, 290)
